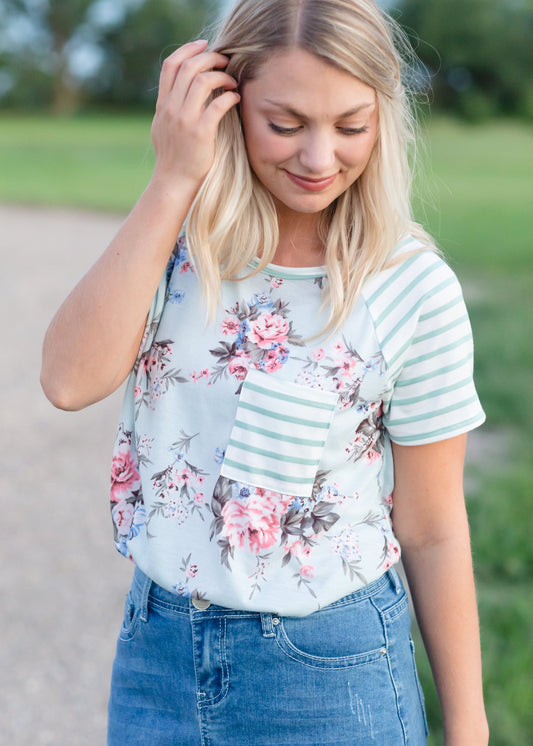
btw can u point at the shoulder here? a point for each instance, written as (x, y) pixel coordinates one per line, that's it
(414, 274)
(417, 278)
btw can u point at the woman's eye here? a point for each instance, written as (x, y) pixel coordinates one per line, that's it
(353, 130)
(283, 130)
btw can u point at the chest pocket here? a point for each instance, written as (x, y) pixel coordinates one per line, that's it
(279, 434)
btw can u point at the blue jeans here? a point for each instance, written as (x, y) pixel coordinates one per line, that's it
(217, 677)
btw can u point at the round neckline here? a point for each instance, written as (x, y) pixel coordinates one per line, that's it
(292, 273)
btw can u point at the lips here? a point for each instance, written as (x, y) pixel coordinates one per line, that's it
(311, 185)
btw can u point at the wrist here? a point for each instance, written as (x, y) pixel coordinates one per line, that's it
(471, 734)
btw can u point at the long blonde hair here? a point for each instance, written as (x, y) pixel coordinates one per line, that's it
(233, 218)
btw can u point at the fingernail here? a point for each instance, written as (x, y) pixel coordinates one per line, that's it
(200, 41)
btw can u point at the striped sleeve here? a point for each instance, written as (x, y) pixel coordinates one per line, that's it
(424, 330)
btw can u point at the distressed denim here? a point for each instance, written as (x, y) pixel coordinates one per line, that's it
(217, 677)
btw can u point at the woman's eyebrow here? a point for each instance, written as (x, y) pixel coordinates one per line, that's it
(290, 110)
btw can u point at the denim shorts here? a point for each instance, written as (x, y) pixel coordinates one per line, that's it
(217, 677)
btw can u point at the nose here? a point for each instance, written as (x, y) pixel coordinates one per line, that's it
(317, 154)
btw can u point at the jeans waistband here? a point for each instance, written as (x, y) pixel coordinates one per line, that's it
(146, 588)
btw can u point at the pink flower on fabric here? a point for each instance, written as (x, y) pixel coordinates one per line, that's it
(123, 517)
(125, 477)
(268, 329)
(307, 571)
(255, 523)
(318, 354)
(230, 326)
(371, 456)
(273, 361)
(238, 367)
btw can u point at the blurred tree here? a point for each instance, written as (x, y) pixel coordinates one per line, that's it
(135, 50)
(478, 52)
(39, 33)
(62, 53)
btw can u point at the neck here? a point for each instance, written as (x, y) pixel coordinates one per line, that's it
(299, 242)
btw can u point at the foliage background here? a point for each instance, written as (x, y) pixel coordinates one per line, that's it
(97, 61)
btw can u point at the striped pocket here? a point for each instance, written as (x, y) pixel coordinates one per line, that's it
(279, 434)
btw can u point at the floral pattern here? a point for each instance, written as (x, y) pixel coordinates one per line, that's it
(271, 534)
(256, 519)
(127, 507)
(340, 369)
(178, 489)
(257, 333)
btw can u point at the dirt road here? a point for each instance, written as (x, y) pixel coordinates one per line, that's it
(62, 583)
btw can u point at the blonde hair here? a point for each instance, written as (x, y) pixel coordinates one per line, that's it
(233, 218)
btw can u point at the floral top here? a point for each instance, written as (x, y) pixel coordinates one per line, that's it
(253, 463)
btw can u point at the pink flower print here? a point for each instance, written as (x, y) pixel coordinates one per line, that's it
(138, 392)
(348, 366)
(230, 326)
(318, 354)
(186, 267)
(273, 361)
(238, 366)
(245, 528)
(268, 329)
(195, 377)
(205, 373)
(371, 455)
(199, 498)
(387, 499)
(123, 517)
(276, 282)
(254, 524)
(192, 572)
(125, 476)
(307, 571)
(393, 550)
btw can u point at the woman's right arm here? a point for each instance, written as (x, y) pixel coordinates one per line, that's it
(93, 340)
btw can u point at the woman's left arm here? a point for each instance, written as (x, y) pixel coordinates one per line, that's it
(431, 524)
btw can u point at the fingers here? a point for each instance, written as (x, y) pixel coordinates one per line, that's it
(203, 86)
(172, 64)
(219, 107)
(181, 68)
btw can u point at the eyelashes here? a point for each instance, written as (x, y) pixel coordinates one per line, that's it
(293, 130)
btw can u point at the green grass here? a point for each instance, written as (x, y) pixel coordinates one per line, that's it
(479, 209)
(99, 162)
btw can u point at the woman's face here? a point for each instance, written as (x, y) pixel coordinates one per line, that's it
(309, 129)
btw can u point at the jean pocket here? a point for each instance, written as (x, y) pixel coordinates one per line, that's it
(279, 434)
(336, 637)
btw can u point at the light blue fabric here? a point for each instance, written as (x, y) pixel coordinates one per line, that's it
(219, 677)
(253, 460)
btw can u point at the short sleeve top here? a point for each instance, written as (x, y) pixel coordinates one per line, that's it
(253, 463)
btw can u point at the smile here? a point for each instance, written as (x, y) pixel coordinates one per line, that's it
(311, 185)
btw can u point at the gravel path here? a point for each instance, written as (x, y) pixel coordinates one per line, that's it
(62, 583)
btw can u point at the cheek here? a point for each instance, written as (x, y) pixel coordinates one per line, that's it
(263, 149)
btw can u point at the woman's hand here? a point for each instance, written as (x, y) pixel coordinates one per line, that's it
(185, 125)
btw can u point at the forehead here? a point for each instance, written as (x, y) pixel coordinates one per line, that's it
(295, 79)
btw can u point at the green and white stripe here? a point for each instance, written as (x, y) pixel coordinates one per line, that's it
(424, 332)
(279, 433)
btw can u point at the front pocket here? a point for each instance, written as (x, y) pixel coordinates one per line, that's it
(279, 434)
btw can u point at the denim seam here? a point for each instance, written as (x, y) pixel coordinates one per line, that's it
(389, 663)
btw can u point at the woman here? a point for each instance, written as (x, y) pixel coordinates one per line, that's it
(298, 406)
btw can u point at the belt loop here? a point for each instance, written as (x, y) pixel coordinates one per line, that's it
(267, 626)
(146, 585)
(395, 580)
